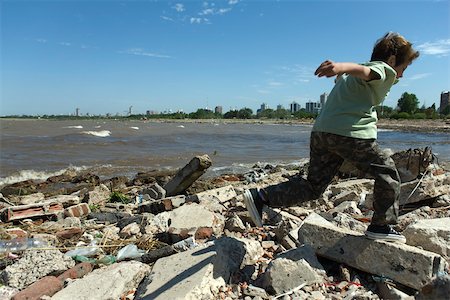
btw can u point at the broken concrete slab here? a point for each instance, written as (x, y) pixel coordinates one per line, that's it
(430, 234)
(283, 275)
(221, 195)
(100, 195)
(111, 282)
(195, 274)
(428, 187)
(437, 289)
(188, 175)
(34, 265)
(193, 216)
(405, 264)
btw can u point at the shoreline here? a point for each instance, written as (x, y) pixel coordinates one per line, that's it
(415, 125)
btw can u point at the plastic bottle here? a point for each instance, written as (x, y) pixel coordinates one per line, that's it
(106, 260)
(21, 244)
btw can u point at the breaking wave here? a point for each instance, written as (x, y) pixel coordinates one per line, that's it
(74, 126)
(100, 133)
(35, 175)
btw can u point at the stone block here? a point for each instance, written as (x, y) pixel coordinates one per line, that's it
(405, 264)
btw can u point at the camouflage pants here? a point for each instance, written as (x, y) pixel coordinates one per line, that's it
(327, 153)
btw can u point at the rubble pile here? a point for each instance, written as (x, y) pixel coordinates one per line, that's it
(174, 235)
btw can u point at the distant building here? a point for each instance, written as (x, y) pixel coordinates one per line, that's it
(264, 106)
(313, 107)
(295, 107)
(445, 100)
(151, 112)
(218, 110)
(279, 107)
(323, 99)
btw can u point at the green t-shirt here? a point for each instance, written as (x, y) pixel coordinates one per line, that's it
(350, 107)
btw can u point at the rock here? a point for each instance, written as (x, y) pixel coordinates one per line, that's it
(403, 263)
(100, 195)
(187, 175)
(432, 235)
(291, 269)
(194, 274)
(155, 191)
(428, 187)
(34, 265)
(437, 289)
(111, 282)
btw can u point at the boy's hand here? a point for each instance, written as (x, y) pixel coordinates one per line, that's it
(328, 69)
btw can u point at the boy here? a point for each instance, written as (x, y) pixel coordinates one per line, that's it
(346, 130)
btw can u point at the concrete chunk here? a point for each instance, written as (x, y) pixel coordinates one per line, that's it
(431, 234)
(111, 282)
(188, 175)
(429, 187)
(405, 264)
(193, 274)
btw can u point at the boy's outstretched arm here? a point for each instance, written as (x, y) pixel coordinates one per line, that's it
(329, 69)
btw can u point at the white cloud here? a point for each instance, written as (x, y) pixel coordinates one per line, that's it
(439, 48)
(232, 2)
(196, 20)
(142, 52)
(65, 44)
(263, 91)
(167, 18)
(214, 11)
(179, 7)
(275, 83)
(41, 40)
(419, 76)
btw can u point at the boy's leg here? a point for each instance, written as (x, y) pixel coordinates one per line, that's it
(367, 156)
(323, 166)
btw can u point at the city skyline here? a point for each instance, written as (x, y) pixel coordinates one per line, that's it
(106, 56)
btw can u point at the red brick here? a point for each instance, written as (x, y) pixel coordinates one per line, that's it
(47, 285)
(78, 210)
(78, 271)
(203, 233)
(18, 232)
(69, 233)
(19, 212)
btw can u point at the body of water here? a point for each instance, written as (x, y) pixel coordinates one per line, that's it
(36, 149)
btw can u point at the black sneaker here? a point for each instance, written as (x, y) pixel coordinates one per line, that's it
(254, 205)
(384, 233)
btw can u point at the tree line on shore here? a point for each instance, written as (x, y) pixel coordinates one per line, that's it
(407, 108)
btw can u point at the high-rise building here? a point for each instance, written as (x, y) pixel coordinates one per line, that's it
(323, 99)
(264, 106)
(445, 101)
(313, 107)
(295, 107)
(218, 110)
(279, 107)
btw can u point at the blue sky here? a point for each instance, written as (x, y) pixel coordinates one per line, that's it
(105, 56)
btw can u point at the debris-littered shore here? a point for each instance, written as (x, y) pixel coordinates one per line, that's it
(177, 235)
